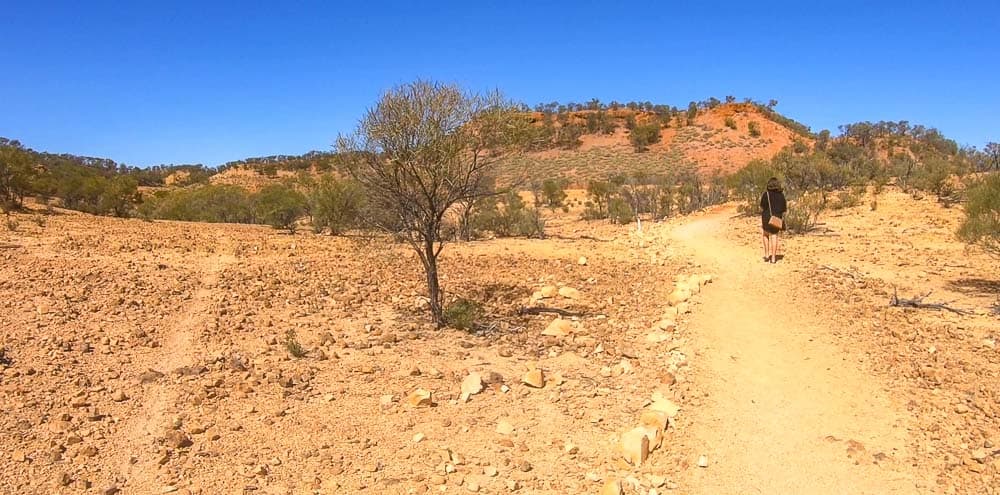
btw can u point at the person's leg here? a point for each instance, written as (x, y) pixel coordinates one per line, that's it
(777, 245)
(766, 244)
(772, 247)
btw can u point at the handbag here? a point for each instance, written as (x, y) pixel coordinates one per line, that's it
(775, 221)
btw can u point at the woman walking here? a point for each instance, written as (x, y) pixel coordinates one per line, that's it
(772, 211)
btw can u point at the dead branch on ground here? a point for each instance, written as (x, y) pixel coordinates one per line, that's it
(537, 310)
(918, 302)
(838, 270)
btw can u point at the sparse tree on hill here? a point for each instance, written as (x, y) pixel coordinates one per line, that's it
(422, 149)
(16, 175)
(643, 135)
(992, 151)
(822, 140)
(692, 112)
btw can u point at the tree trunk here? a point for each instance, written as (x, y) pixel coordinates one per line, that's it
(433, 285)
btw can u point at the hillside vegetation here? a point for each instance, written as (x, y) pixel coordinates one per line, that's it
(633, 160)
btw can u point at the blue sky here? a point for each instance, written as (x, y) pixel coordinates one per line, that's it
(208, 82)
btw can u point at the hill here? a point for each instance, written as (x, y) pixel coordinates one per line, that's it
(715, 138)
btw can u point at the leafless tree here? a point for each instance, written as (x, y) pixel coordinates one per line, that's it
(423, 148)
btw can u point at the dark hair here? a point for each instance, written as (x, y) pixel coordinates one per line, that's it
(773, 184)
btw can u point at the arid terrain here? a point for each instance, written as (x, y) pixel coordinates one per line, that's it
(157, 357)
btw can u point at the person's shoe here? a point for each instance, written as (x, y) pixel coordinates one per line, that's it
(774, 259)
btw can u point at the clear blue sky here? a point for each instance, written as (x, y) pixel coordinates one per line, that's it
(207, 82)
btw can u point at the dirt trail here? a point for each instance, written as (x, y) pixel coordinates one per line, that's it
(787, 410)
(178, 350)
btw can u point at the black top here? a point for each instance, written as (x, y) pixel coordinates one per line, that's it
(777, 207)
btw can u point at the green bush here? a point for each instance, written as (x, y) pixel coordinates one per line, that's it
(293, 346)
(748, 184)
(598, 196)
(463, 314)
(643, 135)
(554, 192)
(982, 214)
(279, 206)
(933, 176)
(848, 198)
(335, 205)
(753, 128)
(731, 123)
(619, 211)
(207, 203)
(508, 216)
(567, 136)
(804, 212)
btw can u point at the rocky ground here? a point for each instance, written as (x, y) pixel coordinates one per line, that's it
(171, 357)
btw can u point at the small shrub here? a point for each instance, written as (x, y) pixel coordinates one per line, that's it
(463, 314)
(293, 346)
(731, 123)
(38, 220)
(335, 205)
(848, 199)
(982, 214)
(644, 135)
(280, 206)
(4, 358)
(619, 211)
(754, 128)
(803, 214)
(12, 224)
(554, 192)
(933, 176)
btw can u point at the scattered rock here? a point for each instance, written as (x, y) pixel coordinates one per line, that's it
(635, 446)
(558, 328)
(703, 461)
(612, 487)
(471, 385)
(504, 427)
(661, 403)
(534, 378)
(569, 293)
(177, 439)
(420, 397)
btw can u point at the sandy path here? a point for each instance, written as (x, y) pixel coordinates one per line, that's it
(178, 350)
(786, 411)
